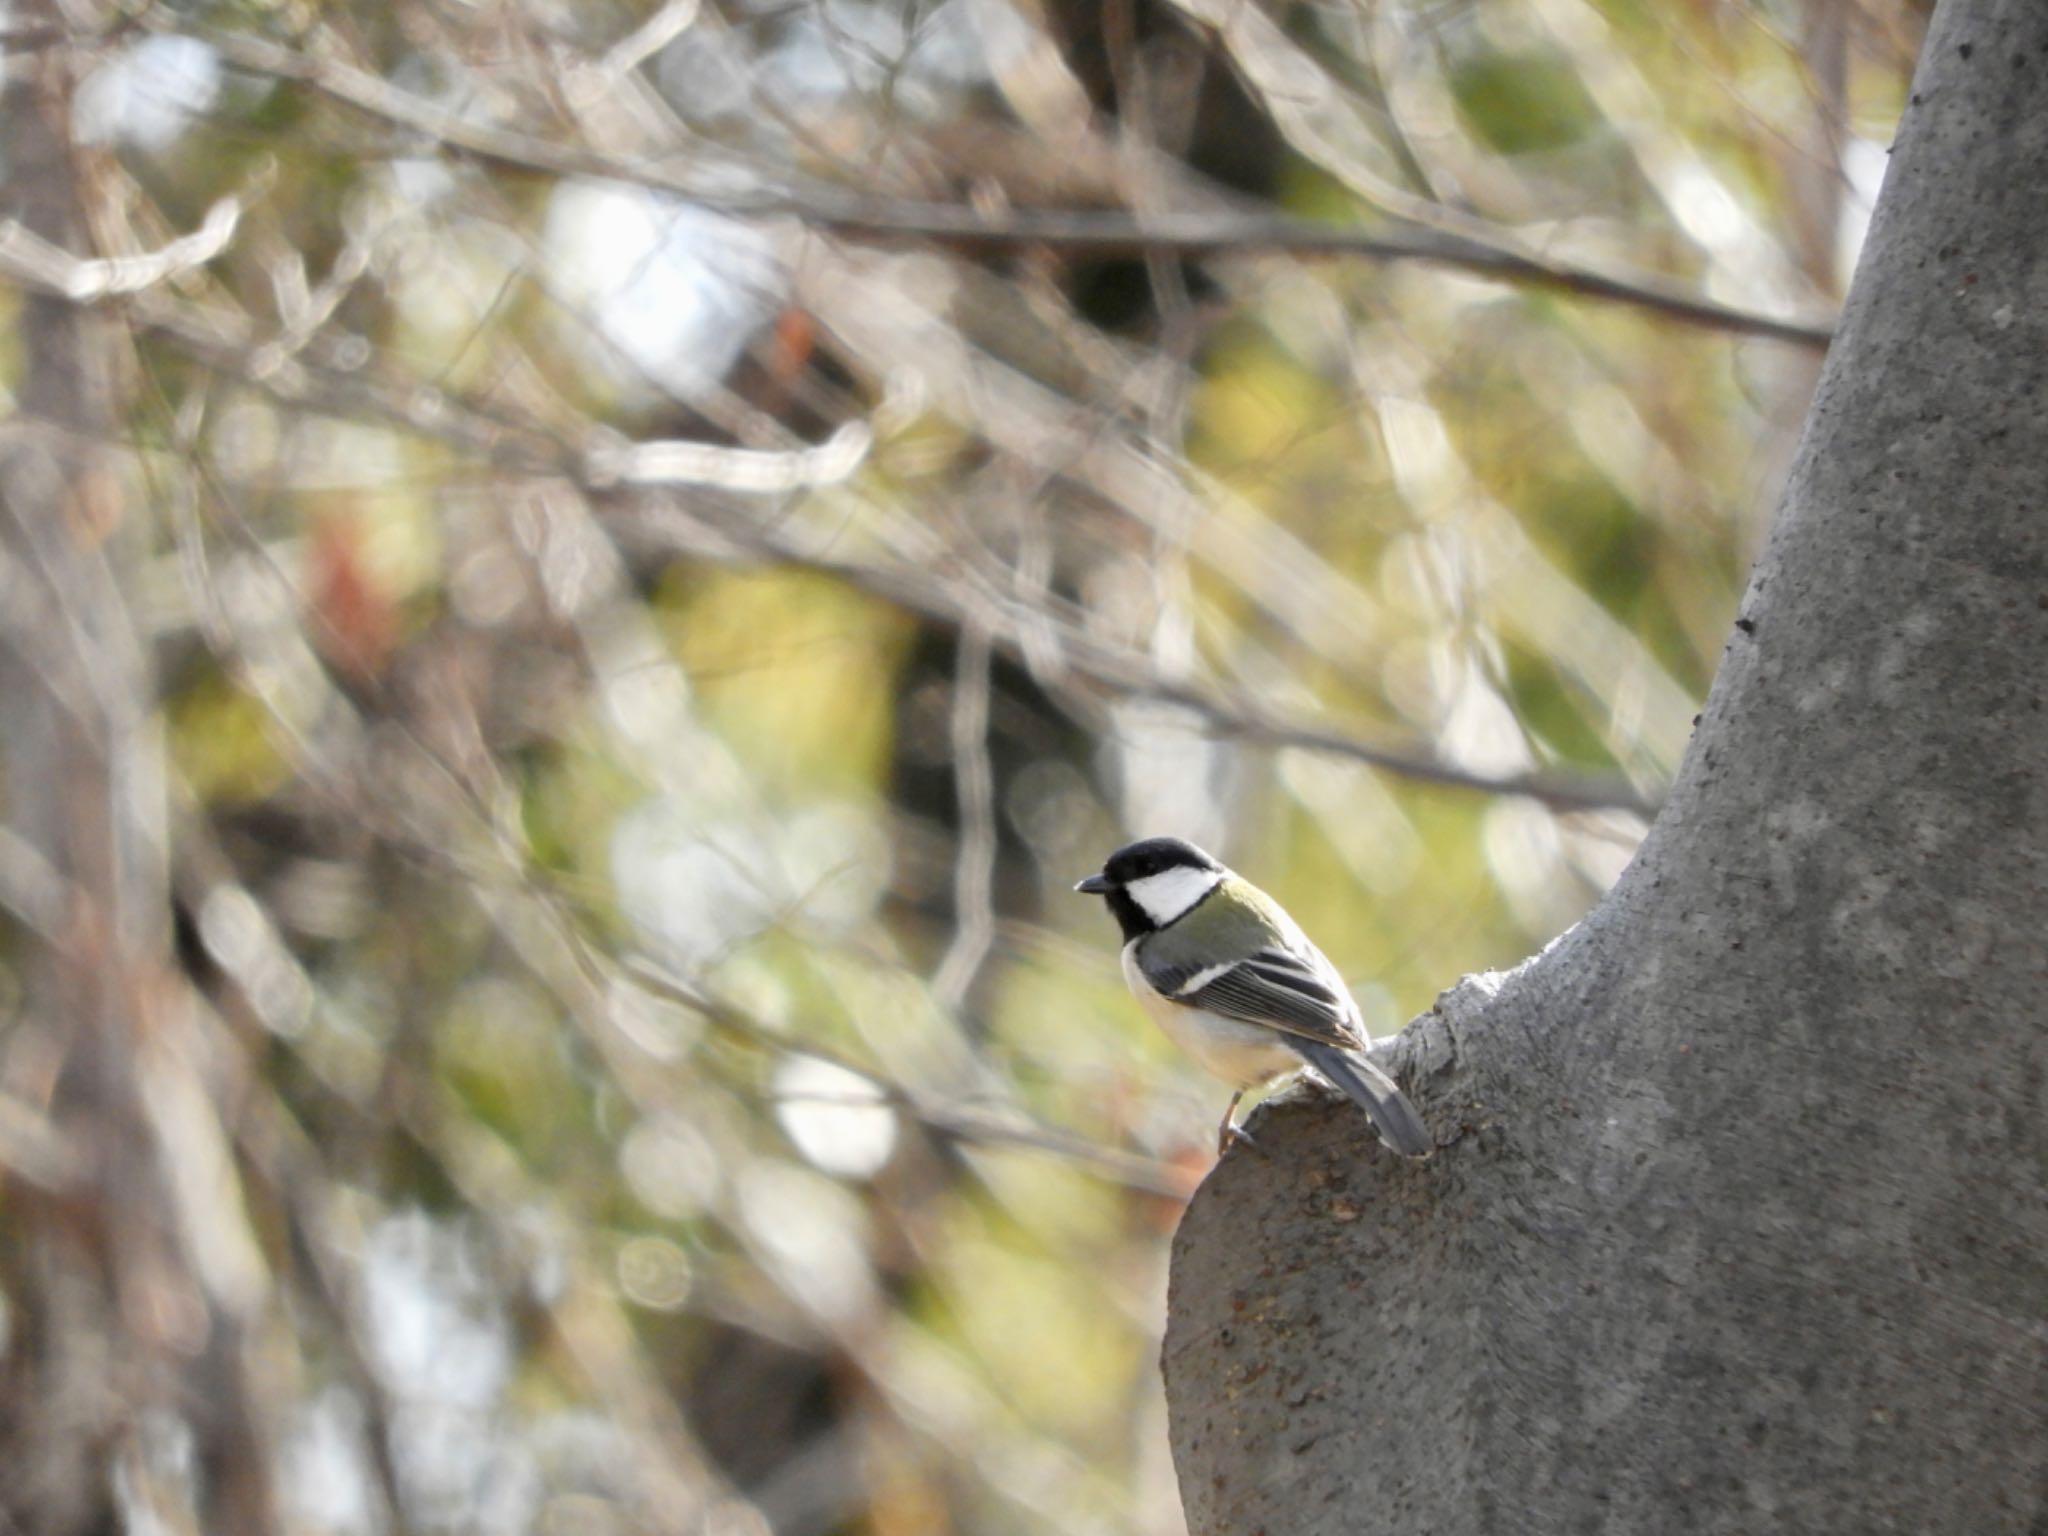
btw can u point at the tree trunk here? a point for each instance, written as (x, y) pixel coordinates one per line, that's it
(121, 1378)
(1739, 1220)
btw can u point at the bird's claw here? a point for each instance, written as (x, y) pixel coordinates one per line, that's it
(1231, 1135)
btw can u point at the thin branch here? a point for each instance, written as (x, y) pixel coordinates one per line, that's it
(226, 344)
(34, 262)
(31, 39)
(36, 1151)
(555, 950)
(1091, 231)
(1082, 658)
(752, 471)
(974, 786)
(667, 24)
(31, 889)
(1126, 1168)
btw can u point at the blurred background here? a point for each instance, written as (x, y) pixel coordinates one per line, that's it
(578, 581)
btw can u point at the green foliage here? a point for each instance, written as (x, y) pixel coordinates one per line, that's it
(221, 743)
(1520, 104)
(793, 670)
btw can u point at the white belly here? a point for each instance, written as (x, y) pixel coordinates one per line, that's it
(1237, 1052)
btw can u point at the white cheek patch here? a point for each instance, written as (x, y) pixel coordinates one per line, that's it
(1169, 893)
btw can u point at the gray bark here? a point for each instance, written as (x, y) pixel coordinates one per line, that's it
(107, 1322)
(1739, 1220)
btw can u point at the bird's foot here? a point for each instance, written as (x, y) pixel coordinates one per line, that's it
(1231, 1135)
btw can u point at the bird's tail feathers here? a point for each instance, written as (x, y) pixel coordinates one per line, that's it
(1400, 1127)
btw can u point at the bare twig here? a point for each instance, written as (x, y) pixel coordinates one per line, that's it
(34, 1150)
(227, 344)
(1089, 660)
(31, 890)
(974, 787)
(851, 213)
(748, 470)
(29, 259)
(669, 22)
(1126, 1168)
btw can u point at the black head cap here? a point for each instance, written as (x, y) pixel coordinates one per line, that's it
(1134, 861)
(1151, 856)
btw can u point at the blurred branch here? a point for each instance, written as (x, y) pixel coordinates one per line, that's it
(35, 1151)
(1080, 657)
(1321, 120)
(1671, 167)
(32, 38)
(29, 259)
(974, 789)
(669, 21)
(31, 888)
(553, 947)
(227, 344)
(323, 1216)
(751, 471)
(1472, 246)
(1125, 1168)
(116, 1318)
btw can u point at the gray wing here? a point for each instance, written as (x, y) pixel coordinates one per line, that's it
(1275, 987)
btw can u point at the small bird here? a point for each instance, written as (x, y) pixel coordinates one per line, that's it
(1232, 979)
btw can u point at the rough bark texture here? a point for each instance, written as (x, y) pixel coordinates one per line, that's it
(1740, 1220)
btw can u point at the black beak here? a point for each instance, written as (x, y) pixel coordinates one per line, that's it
(1095, 885)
